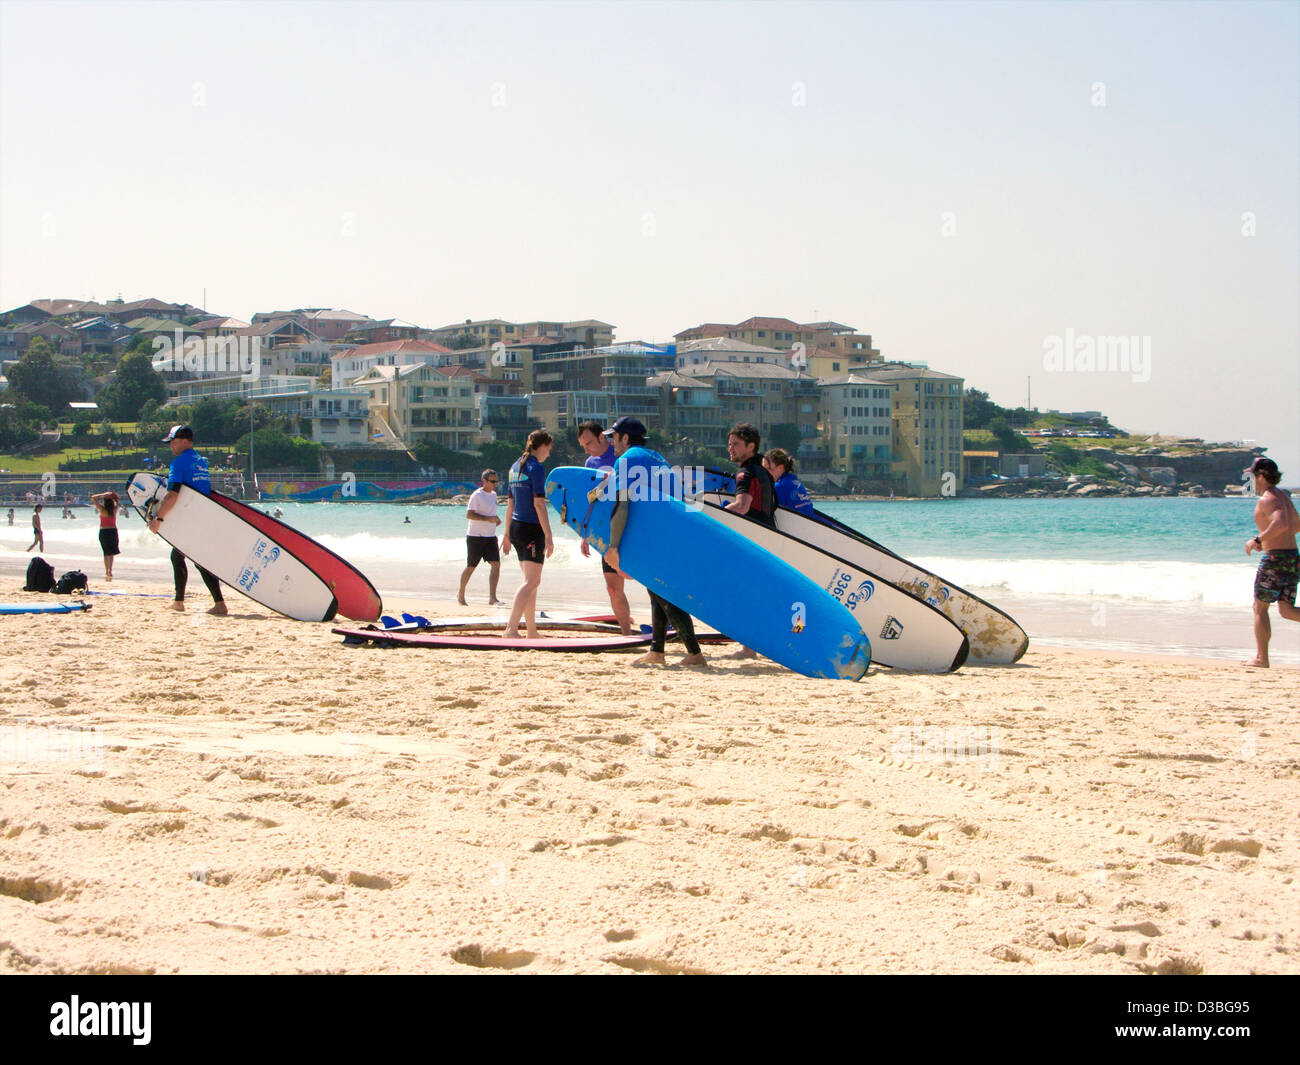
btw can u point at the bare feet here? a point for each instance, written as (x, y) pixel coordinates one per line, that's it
(508, 635)
(694, 660)
(744, 652)
(177, 605)
(494, 602)
(218, 610)
(650, 658)
(1256, 663)
(461, 601)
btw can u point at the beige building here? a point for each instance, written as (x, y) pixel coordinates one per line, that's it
(765, 396)
(927, 459)
(857, 426)
(409, 404)
(821, 348)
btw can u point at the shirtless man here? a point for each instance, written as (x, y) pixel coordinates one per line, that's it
(1279, 564)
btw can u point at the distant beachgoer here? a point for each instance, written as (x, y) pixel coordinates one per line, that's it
(629, 436)
(37, 533)
(11, 515)
(106, 506)
(481, 537)
(191, 468)
(406, 520)
(601, 455)
(790, 492)
(280, 514)
(528, 528)
(1278, 575)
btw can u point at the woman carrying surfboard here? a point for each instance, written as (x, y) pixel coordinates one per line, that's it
(528, 529)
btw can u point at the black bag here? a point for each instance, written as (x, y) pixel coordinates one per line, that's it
(72, 581)
(40, 576)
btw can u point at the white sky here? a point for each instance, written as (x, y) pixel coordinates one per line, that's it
(662, 165)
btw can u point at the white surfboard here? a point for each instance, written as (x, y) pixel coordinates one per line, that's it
(905, 632)
(235, 552)
(995, 637)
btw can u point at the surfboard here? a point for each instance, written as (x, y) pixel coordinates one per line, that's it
(720, 577)
(357, 597)
(235, 552)
(43, 608)
(905, 632)
(474, 640)
(995, 637)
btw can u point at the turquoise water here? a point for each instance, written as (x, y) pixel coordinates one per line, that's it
(1139, 574)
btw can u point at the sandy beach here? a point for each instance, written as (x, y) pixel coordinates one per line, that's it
(246, 794)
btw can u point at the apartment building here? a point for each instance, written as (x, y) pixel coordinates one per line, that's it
(857, 426)
(409, 404)
(348, 364)
(563, 410)
(833, 341)
(724, 349)
(765, 396)
(619, 370)
(689, 408)
(927, 410)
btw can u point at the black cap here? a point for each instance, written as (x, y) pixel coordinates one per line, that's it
(1263, 464)
(627, 426)
(179, 432)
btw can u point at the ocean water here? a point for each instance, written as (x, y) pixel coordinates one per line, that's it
(1156, 575)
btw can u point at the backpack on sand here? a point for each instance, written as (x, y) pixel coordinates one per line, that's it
(40, 576)
(72, 581)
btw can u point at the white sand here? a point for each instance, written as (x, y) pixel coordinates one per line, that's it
(256, 797)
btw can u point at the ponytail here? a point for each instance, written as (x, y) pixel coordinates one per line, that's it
(780, 457)
(537, 438)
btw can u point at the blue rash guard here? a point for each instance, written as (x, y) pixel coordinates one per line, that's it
(600, 462)
(792, 495)
(645, 485)
(527, 483)
(191, 468)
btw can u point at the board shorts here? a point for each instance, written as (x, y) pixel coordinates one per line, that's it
(1278, 576)
(481, 549)
(108, 541)
(529, 541)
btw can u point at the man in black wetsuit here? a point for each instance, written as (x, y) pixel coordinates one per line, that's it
(755, 489)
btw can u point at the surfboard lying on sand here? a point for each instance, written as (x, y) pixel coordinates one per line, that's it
(43, 608)
(236, 552)
(721, 578)
(905, 632)
(995, 637)
(561, 636)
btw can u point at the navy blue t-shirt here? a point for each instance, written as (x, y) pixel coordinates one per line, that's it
(191, 468)
(527, 482)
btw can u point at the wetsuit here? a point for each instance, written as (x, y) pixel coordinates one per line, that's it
(628, 484)
(756, 482)
(191, 468)
(603, 462)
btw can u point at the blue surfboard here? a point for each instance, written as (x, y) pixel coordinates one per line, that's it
(712, 573)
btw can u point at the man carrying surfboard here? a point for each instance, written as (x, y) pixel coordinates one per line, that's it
(628, 436)
(191, 468)
(601, 455)
(755, 489)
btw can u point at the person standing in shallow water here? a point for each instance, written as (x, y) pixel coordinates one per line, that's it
(38, 535)
(1278, 576)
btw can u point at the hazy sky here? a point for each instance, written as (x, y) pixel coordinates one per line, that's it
(963, 181)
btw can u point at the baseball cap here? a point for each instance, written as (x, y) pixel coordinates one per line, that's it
(627, 426)
(1263, 464)
(181, 432)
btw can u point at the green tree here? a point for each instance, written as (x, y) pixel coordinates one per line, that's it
(134, 384)
(209, 422)
(500, 455)
(274, 448)
(43, 376)
(977, 409)
(464, 341)
(16, 429)
(153, 423)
